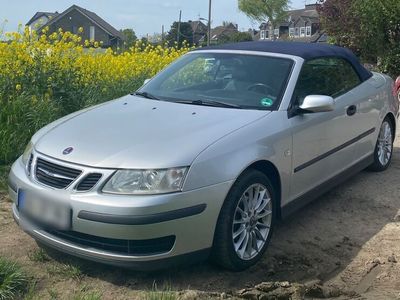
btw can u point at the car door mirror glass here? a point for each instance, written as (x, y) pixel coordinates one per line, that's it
(317, 103)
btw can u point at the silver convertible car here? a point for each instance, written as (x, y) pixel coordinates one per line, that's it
(206, 157)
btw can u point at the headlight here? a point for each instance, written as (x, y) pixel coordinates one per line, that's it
(130, 182)
(27, 153)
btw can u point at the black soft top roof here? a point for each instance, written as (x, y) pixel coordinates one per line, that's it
(305, 50)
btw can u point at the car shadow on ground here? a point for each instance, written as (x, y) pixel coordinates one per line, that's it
(317, 242)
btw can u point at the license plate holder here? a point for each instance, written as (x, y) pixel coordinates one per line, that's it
(43, 210)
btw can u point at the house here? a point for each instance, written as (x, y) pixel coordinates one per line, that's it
(40, 18)
(222, 33)
(199, 30)
(300, 25)
(94, 27)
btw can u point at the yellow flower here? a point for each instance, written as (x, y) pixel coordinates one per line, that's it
(18, 87)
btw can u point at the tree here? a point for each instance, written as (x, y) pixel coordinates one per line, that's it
(370, 28)
(380, 32)
(129, 37)
(340, 22)
(273, 11)
(236, 37)
(185, 34)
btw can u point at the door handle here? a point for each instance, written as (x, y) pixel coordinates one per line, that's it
(351, 110)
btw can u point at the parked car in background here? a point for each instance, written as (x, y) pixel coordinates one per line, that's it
(206, 156)
(397, 88)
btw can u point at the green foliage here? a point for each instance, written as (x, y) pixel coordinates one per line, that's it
(338, 19)
(185, 34)
(236, 37)
(20, 119)
(38, 255)
(3, 177)
(164, 294)
(129, 37)
(273, 11)
(65, 270)
(86, 294)
(371, 28)
(13, 281)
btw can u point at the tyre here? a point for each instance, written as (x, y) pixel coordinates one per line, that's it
(245, 223)
(384, 147)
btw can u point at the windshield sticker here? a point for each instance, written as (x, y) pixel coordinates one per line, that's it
(267, 102)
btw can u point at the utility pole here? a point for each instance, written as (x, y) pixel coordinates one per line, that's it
(178, 34)
(162, 35)
(209, 24)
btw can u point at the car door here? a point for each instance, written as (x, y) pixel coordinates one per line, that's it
(323, 143)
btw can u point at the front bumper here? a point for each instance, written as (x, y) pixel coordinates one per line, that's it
(188, 216)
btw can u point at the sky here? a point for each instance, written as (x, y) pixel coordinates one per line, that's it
(144, 16)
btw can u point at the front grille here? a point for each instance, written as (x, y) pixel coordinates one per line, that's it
(54, 175)
(118, 246)
(87, 183)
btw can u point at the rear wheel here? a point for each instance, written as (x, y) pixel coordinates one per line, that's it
(384, 147)
(245, 223)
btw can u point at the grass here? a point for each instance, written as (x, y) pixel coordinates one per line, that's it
(38, 255)
(165, 294)
(65, 271)
(13, 281)
(88, 295)
(3, 177)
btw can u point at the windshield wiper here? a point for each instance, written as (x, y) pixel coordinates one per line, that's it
(145, 95)
(209, 103)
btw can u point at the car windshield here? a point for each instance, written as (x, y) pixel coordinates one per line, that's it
(222, 79)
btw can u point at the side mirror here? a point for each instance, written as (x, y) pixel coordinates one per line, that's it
(146, 81)
(317, 103)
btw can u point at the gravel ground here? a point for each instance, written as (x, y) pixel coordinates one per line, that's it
(346, 244)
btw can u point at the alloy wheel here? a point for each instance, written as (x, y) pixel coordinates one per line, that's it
(385, 140)
(252, 221)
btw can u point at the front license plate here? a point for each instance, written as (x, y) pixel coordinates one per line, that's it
(44, 211)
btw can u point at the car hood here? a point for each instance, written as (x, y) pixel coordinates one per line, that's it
(134, 132)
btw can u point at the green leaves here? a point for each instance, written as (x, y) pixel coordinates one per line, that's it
(371, 28)
(13, 282)
(273, 11)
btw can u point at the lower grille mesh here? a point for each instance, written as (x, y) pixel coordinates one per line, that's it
(88, 182)
(127, 247)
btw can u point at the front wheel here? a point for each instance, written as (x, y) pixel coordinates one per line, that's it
(384, 147)
(245, 223)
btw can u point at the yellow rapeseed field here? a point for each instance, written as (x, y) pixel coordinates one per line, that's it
(44, 76)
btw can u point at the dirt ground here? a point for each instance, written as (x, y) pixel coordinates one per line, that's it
(348, 239)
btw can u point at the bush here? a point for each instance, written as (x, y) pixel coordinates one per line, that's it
(45, 76)
(13, 282)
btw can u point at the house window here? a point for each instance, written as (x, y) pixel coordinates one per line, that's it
(302, 31)
(74, 29)
(291, 32)
(276, 32)
(296, 31)
(262, 35)
(308, 30)
(266, 34)
(92, 33)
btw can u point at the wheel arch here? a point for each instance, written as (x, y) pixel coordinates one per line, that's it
(271, 171)
(392, 119)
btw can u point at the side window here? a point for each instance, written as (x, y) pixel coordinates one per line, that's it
(325, 76)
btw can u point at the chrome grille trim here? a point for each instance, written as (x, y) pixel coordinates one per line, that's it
(72, 187)
(54, 175)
